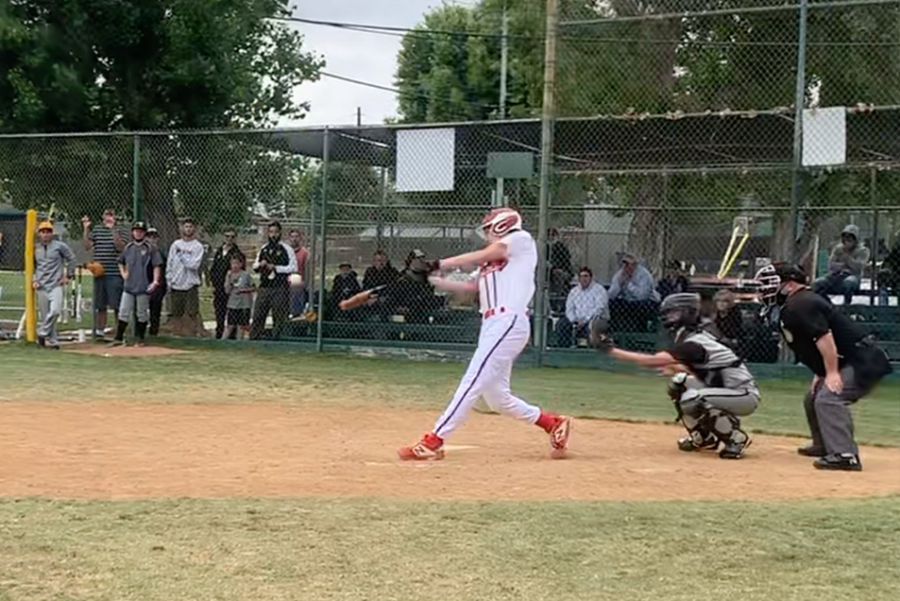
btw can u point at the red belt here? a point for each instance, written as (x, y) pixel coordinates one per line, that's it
(491, 312)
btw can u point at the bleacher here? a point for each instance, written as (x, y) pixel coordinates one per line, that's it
(460, 326)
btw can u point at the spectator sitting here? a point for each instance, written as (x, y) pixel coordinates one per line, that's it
(674, 281)
(889, 276)
(585, 301)
(414, 299)
(845, 266)
(632, 299)
(344, 286)
(560, 270)
(728, 320)
(381, 273)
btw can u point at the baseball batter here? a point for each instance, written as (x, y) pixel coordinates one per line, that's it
(505, 286)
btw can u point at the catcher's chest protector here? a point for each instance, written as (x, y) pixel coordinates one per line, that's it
(722, 368)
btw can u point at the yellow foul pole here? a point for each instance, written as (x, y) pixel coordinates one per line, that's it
(30, 312)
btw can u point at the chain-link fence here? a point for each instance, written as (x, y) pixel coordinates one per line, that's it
(676, 165)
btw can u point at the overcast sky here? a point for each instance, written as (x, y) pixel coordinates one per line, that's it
(363, 56)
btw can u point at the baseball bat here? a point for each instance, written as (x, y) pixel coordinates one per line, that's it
(360, 298)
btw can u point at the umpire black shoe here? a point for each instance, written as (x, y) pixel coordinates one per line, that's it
(811, 451)
(846, 463)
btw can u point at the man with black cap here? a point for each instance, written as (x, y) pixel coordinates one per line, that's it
(710, 386)
(138, 260)
(159, 293)
(845, 362)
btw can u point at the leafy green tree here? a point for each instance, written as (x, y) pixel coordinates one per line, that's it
(129, 65)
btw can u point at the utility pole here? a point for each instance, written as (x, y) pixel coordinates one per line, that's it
(499, 199)
(359, 116)
(799, 99)
(548, 117)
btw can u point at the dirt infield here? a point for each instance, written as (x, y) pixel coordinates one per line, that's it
(152, 450)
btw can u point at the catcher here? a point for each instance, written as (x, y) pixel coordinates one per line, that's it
(711, 387)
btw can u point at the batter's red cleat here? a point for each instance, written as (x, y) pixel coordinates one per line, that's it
(558, 427)
(430, 447)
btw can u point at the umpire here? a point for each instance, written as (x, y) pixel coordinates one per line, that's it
(845, 362)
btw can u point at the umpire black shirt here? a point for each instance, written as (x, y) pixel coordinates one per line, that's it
(806, 317)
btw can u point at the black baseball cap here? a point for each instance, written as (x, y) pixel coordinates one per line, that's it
(791, 272)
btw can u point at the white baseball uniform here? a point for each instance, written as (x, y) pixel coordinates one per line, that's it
(505, 289)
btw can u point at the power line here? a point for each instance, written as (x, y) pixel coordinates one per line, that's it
(403, 32)
(398, 91)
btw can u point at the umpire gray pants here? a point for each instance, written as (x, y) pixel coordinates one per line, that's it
(734, 402)
(828, 414)
(50, 305)
(130, 302)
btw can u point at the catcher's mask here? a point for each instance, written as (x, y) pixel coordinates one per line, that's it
(499, 222)
(681, 310)
(772, 278)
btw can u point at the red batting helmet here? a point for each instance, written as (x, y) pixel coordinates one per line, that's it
(501, 221)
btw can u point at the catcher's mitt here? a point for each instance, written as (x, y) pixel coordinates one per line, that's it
(600, 339)
(95, 268)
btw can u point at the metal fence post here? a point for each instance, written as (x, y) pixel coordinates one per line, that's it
(547, 116)
(136, 176)
(320, 317)
(799, 97)
(873, 194)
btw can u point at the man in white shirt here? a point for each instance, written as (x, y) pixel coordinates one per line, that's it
(586, 301)
(183, 278)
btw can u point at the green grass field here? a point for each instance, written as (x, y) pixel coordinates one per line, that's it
(374, 548)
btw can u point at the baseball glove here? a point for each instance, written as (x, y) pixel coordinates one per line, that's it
(95, 268)
(600, 339)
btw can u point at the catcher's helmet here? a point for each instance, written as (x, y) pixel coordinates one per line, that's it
(499, 222)
(681, 310)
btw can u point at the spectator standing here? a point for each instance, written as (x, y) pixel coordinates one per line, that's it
(183, 277)
(159, 293)
(107, 242)
(632, 297)
(274, 263)
(239, 286)
(845, 266)
(585, 301)
(54, 266)
(218, 271)
(138, 260)
(301, 254)
(3, 335)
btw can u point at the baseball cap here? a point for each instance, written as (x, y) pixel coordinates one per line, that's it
(152, 231)
(45, 225)
(629, 258)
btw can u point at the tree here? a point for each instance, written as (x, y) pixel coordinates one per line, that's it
(713, 62)
(123, 65)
